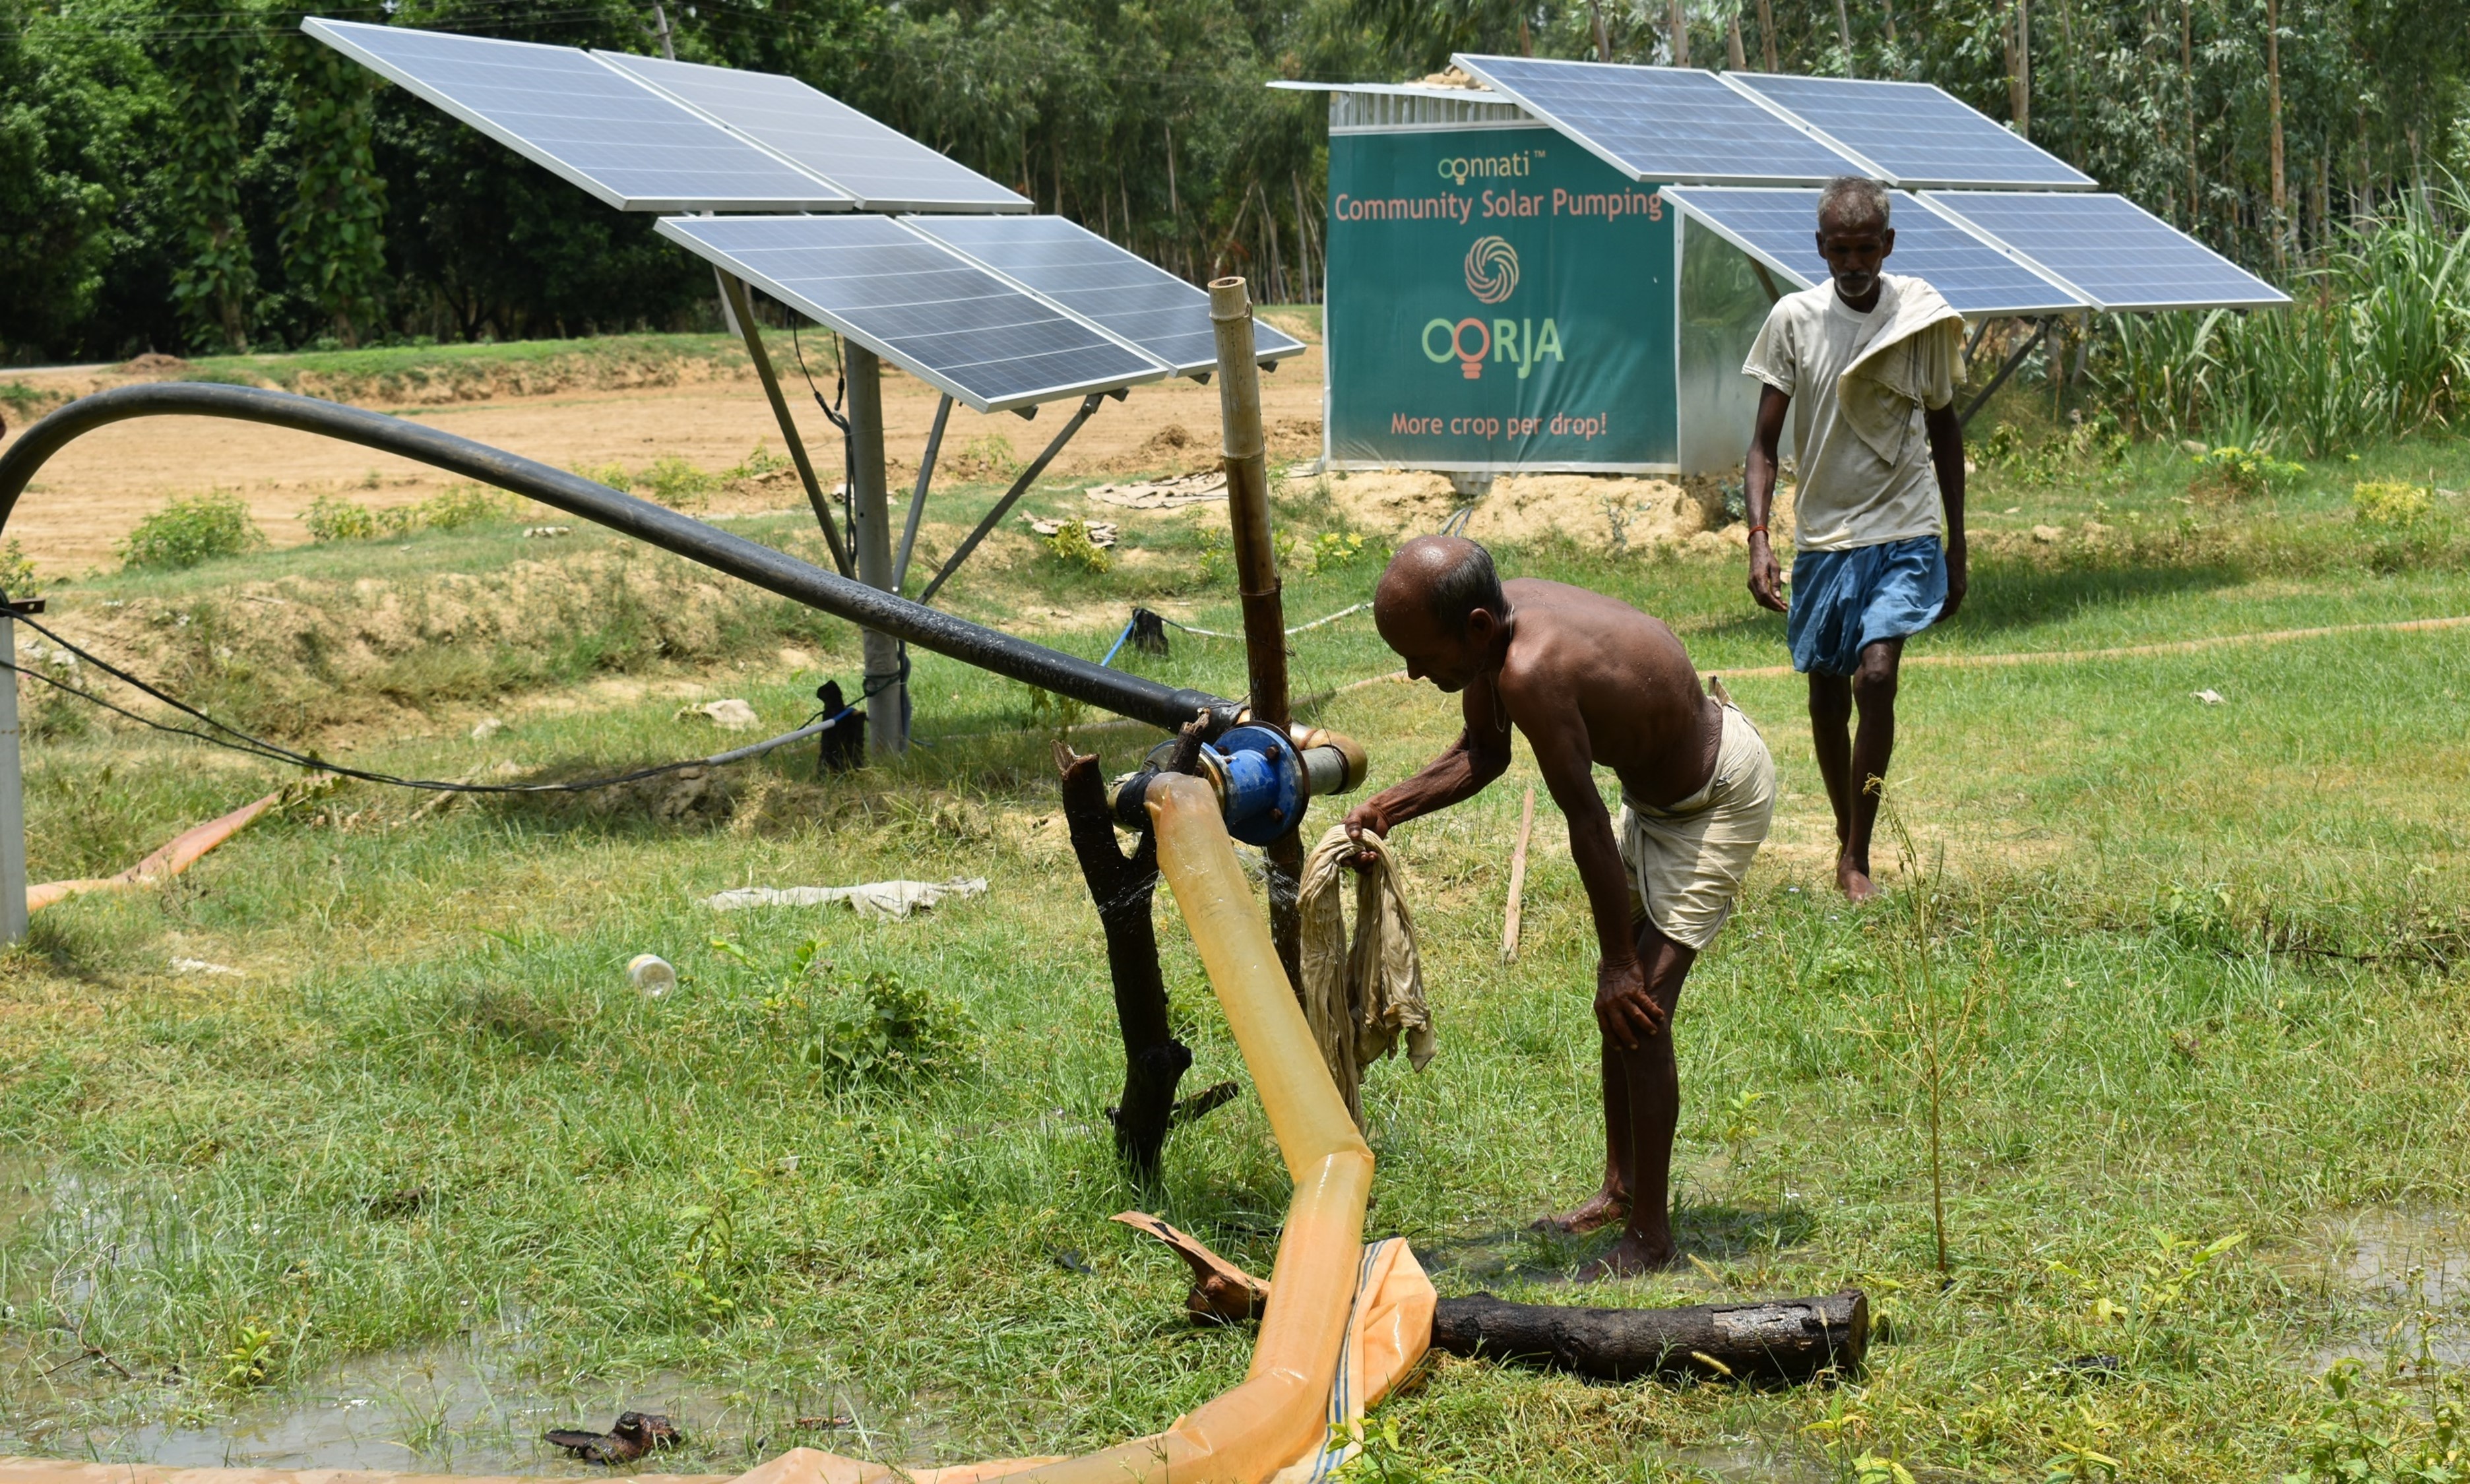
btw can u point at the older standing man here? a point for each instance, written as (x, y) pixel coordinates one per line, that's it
(1867, 362)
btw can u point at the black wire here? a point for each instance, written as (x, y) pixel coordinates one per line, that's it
(271, 751)
(833, 415)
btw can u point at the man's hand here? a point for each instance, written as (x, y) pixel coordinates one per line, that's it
(1767, 575)
(1623, 1010)
(1360, 817)
(1958, 579)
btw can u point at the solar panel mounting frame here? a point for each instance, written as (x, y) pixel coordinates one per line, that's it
(670, 228)
(1473, 64)
(825, 197)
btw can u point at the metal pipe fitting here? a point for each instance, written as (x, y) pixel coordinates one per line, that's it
(1263, 780)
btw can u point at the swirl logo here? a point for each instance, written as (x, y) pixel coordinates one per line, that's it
(1491, 269)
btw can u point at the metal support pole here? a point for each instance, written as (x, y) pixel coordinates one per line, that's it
(887, 710)
(733, 295)
(1256, 579)
(12, 792)
(2004, 372)
(918, 500)
(1019, 487)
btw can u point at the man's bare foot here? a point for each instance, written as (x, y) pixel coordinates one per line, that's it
(1603, 1210)
(1853, 881)
(1630, 1257)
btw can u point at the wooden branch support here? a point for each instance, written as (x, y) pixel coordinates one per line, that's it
(1788, 1341)
(1121, 887)
(1509, 921)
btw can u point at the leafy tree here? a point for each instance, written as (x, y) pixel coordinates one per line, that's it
(78, 114)
(206, 53)
(334, 245)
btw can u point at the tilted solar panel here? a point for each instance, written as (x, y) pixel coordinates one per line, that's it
(918, 305)
(1665, 124)
(1915, 134)
(2110, 249)
(1780, 227)
(884, 169)
(1100, 282)
(589, 124)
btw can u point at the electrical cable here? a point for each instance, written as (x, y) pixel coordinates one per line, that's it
(834, 416)
(239, 741)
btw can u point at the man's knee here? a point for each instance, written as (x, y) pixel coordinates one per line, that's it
(1831, 698)
(1873, 684)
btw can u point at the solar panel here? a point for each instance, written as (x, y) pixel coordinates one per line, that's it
(590, 124)
(920, 306)
(2111, 250)
(1102, 282)
(1779, 228)
(1665, 124)
(884, 169)
(1915, 134)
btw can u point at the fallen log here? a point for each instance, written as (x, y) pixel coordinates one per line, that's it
(1787, 1340)
(1783, 1340)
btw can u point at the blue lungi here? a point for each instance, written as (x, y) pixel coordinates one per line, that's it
(1843, 601)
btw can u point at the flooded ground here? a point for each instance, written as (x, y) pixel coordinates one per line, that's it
(475, 1403)
(2414, 1269)
(462, 1406)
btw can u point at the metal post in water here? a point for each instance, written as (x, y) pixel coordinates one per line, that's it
(12, 794)
(887, 711)
(1256, 578)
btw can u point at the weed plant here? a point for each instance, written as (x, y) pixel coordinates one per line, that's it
(190, 529)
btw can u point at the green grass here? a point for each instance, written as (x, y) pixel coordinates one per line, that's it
(2220, 949)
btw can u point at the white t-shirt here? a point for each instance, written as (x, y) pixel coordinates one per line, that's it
(1849, 494)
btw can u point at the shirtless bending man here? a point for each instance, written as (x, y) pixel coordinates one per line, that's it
(1592, 681)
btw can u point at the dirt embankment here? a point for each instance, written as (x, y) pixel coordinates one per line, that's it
(1605, 513)
(303, 657)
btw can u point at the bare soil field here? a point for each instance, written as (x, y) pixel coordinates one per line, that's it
(88, 497)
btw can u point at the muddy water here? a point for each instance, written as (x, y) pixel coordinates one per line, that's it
(2416, 1269)
(460, 1407)
(475, 1403)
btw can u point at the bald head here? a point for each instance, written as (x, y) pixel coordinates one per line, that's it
(1441, 608)
(1448, 577)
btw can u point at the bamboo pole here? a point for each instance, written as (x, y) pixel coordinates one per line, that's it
(1517, 881)
(1256, 579)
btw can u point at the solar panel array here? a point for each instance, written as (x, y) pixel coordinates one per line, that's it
(1915, 134)
(882, 168)
(913, 302)
(1126, 294)
(1663, 123)
(2114, 252)
(1780, 227)
(589, 124)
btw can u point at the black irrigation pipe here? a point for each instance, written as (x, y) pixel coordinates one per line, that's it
(775, 571)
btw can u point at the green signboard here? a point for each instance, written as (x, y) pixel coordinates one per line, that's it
(1499, 298)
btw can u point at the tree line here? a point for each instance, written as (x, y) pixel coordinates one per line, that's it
(197, 175)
